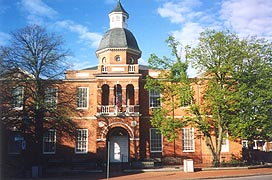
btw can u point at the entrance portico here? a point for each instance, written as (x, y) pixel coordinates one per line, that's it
(119, 145)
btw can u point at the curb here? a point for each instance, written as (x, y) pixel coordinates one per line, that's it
(180, 168)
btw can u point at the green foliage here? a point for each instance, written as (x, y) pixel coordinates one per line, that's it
(168, 125)
(215, 55)
(238, 97)
(174, 85)
(254, 91)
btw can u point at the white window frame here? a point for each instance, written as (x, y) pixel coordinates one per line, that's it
(17, 98)
(185, 104)
(51, 97)
(158, 140)
(152, 95)
(244, 143)
(81, 146)
(188, 139)
(225, 144)
(49, 138)
(81, 97)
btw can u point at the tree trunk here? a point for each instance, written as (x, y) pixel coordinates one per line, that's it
(213, 151)
(38, 161)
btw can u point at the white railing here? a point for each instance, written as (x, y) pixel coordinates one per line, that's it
(130, 109)
(104, 69)
(105, 109)
(115, 110)
(131, 68)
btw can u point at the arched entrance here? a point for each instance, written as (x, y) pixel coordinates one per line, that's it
(119, 147)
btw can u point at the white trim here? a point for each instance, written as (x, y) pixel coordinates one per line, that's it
(87, 103)
(118, 77)
(225, 147)
(48, 138)
(192, 138)
(160, 103)
(150, 134)
(17, 93)
(87, 137)
(129, 128)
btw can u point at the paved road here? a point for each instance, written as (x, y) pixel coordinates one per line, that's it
(261, 177)
(169, 175)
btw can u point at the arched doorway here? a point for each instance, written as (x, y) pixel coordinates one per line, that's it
(119, 148)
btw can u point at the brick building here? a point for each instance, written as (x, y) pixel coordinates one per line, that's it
(115, 111)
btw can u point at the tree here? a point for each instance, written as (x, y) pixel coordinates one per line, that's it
(174, 85)
(253, 92)
(215, 54)
(35, 60)
(237, 98)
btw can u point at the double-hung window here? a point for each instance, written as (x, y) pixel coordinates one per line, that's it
(81, 141)
(82, 97)
(49, 142)
(51, 97)
(186, 96)
(155, 140)
(225, 144)
(15, 142)
(154, 98)
(17, 97)
(188, 141)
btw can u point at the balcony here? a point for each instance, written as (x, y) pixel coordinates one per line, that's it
(105, 110)
(112, 110)
(131, 68)
(104, 69)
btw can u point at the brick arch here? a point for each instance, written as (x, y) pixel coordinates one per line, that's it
(115, 125)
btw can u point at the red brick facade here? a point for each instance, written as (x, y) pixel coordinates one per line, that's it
(118, 111)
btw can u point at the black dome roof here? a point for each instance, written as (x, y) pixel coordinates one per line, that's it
(118, 38)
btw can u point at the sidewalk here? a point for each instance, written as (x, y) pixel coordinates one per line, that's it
(162, 174)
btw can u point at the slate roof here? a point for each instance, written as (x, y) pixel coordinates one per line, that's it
(118, 38)
(119, 8)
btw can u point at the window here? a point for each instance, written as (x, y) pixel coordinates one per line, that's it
(15, 142)
(17, 97)
(186, 96)
(131, 60)
(51, 97)
(225, 144)
(185, 103)
(245, 143)
(49, 142)
(117, 58)
(188, 142)
(81, 141)
(155, 140)
(154, 99)
(82, 97)
(104, 60)
(104, 69)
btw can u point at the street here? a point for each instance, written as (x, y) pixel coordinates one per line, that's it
(241, 174)
(260, 177)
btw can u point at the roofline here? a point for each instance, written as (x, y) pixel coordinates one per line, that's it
(136, 52)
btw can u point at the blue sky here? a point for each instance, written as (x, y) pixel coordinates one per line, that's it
(82, 23)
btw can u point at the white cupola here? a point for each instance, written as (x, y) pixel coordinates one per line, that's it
(118, 17)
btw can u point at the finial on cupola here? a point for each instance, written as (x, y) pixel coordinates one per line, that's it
(118, 16)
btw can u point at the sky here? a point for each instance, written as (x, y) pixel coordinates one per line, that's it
(82, 23)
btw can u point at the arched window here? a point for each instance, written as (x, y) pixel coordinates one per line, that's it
(118, 96)
(105, 94)
(104, 60)
(131, 60)
(130, 95)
